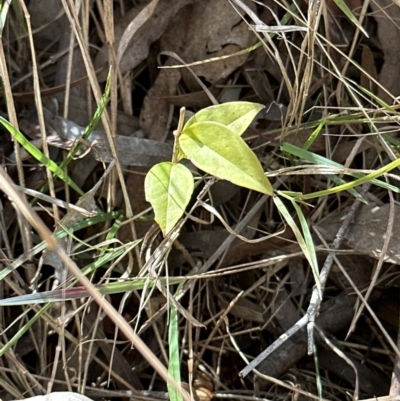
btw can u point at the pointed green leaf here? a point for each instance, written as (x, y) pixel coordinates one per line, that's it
(305, 241)
(217, 150)
(317, 159)
(237, 116)
(38, 155)
(21, 331)
(168, 187)
(174, 362)
(349, 14)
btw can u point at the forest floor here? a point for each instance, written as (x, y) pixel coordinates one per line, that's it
(208, 298)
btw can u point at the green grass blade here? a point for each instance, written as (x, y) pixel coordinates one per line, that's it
(12, 341)
(392, 141)
(367, 178)
(112, 288)
(309, 243)
(317, 159)
(306, 245)
(174, 362)
(314, 135)
(92, 124)
(99, 218)
(376, 98)
(340, 181)
(103, 259)
(112, 233)
(39, 156)
(349, 14)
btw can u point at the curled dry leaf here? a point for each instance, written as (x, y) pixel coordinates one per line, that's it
(204, 241)
(368, 65)
(133, 27)
(206, 29)
(133, 151)
(155, 125)
(210, 28)
(138, 48)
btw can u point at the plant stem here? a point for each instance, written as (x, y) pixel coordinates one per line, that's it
(177, 133)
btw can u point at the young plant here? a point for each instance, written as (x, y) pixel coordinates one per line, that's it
(211, 140)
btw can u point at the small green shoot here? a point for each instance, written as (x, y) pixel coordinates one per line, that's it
(12, 341)
(211, 140)
(314, 135)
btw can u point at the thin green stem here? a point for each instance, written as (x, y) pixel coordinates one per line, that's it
(177, 133)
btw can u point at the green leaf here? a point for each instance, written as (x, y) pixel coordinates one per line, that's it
(237, 116)
(217, 150)
(168, 187)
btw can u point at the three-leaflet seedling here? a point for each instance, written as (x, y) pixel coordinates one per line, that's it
(211, 140)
